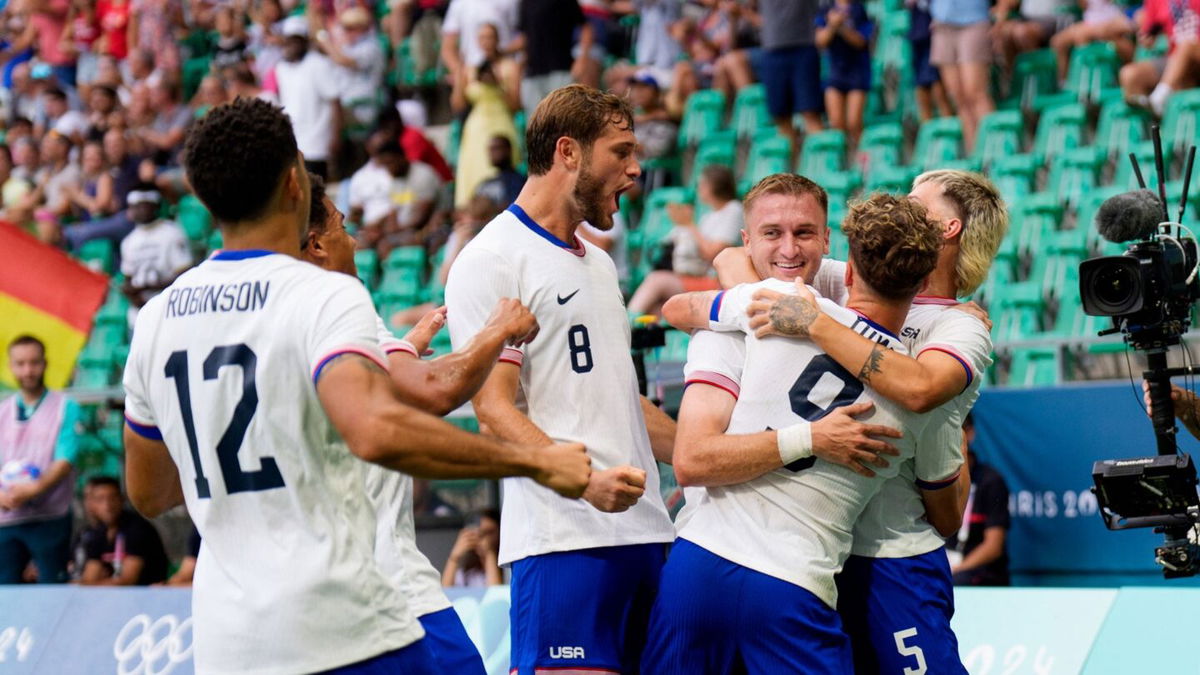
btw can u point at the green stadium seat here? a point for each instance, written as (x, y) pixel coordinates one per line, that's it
(1018, 308)
(1014, 176)
(366, 261)
(1074, 173)
(1181, 122)
(938, 141)
(1034, 74)
(215, 241)
(893, 179)
(750, 113)
(719, 147)
(1060, 128)
(98, 254)
(1093, 69)
(1124, 177)
(841, 186)
(999, 136)
(882, 145)
(821, 153)
(655, 222)
(676, 348)
(1036, 367)
(1157, 50)
(1035, 219)
(405, 257)
(768, 155)
(701, 116)
(454, 141)
(195, 219)
(1121, 125)
(115, 310)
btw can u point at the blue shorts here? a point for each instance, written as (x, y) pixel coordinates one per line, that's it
(926, 74)
(716, 617)
(791, 78)
(583, 610)
(416, 659)
(897, 612)
(452, 648)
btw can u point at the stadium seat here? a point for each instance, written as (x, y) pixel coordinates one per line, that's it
(1035, 219)
(655, 222)
(454, 142)
(1124, 177)
(1034, 74)
(1074, 173)
(1181, 122)
(1014, 176)
(841, 186)
(938, 141)
(405, 257)
(822, 152)
(718, 147)
(999, 136)
(366, 261)
(768, 155)
(1093, 69)
(98, 254)
(701, 116)
(893, 179)
(1120, 126)
(1155, 51)
(882, 145)
(195, 219)
(1017, 308)
(1060, 128)
(115, 310)
(1035, 367)
(750, 111)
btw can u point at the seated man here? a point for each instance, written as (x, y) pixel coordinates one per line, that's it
(768, 544)
(123, 549)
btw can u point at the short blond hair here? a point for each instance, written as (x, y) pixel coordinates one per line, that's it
(789, 184)
(894, 244)
(984, 223)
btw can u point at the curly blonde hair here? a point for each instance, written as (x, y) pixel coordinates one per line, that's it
(894, 244)
(984, 218)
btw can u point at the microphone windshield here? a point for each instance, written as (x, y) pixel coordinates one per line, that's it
(1129, 216)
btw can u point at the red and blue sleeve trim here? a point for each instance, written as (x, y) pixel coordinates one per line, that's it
(714, 312)
(316, 374)
(933, 485)
(957, 357)
(148, 431)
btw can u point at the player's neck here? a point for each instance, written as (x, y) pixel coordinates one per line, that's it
(943, 280)
(550, 206)
(887, 313)
(277, 234)
(31, 397)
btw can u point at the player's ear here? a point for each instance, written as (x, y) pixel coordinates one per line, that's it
(570, 152)
(849, 276)
(745, 238)
(827, 234)
(954, 227)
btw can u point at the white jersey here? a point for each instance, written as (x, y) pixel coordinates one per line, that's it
(894, 524)
(714, 358)
(794, 523)
(396, 532)
(577, 378)
(224, 362)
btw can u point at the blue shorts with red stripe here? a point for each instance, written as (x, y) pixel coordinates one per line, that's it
(897, 613)
(583, 612)
(714, 617)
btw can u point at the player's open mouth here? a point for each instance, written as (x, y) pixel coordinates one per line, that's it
(616, 205)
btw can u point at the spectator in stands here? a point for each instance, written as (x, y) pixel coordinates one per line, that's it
(61, 118)
(979, 555)
(102, 106)
(153, 24)
(124, 549)
(37, 428)
(360, 65)
(154, 253)
(187, 567)
(265, 35)
(1025, 25)
(844, 31)
(503, 187)
(929, 90)
(93, 198)
(124, 169)
(546, 31)
(49, 20)
(694, 246)
(113, 17)
(310, 95)
(1103, 21)
(656, 131)
(398, 211)
(231, 47)
(58, 172)
(371, 184)
(209, 94)
(962, 52)
(788, 64)
(472, 561)
(490, 116)
(242, 83)
(79, 37)
(460, 47)
(163, 138)
(416, 146)
(1150, 83)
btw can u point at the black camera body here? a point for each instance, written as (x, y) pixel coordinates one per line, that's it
(1146, 290)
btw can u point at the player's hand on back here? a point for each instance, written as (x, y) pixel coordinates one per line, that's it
(566, 469)
(515, 321)
(977, 312)
(775, 313)
(840, 439)
(616, 489)
(422, 334)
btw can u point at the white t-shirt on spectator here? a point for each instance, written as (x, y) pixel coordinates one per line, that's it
(153, 253)
(361, 83)
(307, 89)
(72, 123)
(724, 224)
(403, 195)
(465, 17)
(368, 186)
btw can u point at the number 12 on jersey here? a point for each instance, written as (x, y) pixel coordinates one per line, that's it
(236, 480)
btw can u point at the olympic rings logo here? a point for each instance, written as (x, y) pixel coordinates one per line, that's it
(144, 647)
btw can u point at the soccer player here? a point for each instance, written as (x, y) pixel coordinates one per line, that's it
(584, 574)
(286, 580)
(437, 386)
(750, 583)
(898, 597)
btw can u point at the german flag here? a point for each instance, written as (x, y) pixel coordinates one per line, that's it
(46, 294)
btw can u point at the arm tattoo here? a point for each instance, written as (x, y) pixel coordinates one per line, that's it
(873, 364)
(793, 316)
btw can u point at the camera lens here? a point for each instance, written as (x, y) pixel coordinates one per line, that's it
(1114, 286)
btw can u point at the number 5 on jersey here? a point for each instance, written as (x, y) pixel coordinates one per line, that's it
(236, 480)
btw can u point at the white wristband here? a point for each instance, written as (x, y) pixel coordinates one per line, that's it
(795, 442)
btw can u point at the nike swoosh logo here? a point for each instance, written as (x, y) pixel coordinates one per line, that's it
(563, 301)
